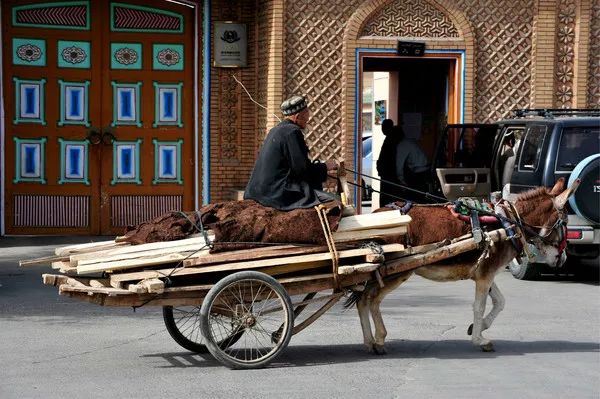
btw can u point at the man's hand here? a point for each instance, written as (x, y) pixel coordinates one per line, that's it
(331, 165)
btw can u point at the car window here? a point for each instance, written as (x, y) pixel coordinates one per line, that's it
(531, 150)
(466, 146)
(576, 143)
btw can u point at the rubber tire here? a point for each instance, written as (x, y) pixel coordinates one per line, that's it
(214, 348)
(525, 270)
(182, 340)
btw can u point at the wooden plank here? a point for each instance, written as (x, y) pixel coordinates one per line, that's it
(312, 318)
(151, 286)
(310, 260)
(134, 263)
(371, 234)
(138, 248)
(88, 247)
(142, 254)
(380, 220)
(193, 295)
(205, 258)
(436, 255)
(257, 253)
(46, 260)
(135, 300)
(286, 269)
(64, 267)
(358, 268)
(110, 291)
(57, 280)
(306, 253)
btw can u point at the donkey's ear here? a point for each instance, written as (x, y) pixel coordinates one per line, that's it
(562, 199)
(558, 187)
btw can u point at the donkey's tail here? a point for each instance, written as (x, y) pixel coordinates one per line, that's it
(352, 299)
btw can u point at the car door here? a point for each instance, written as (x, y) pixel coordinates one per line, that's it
(463, 160)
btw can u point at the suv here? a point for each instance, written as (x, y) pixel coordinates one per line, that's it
(534, 148)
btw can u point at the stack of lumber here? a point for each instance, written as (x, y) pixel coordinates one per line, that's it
(115, 273)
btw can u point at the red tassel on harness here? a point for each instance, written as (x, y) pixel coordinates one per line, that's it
(467, 219)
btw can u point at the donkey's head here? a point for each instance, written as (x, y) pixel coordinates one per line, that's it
(544, 220)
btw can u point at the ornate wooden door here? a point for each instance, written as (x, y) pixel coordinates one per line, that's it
(99, 127)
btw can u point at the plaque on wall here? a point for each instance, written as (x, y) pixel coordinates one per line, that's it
(230, 45)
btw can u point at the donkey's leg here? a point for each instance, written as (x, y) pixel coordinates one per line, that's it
(482, 288)
(498, 305)
(380, 330)
(365, 322)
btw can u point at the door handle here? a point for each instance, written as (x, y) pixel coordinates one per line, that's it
(94, 136)
(107, 136)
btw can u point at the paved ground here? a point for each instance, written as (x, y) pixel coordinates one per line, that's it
(547, 345)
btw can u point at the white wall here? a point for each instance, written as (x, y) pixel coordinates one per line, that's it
(385, 88)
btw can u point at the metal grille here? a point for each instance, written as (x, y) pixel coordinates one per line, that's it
(51, 211)
(131, 210)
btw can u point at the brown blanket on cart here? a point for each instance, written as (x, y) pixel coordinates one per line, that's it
(238, 225)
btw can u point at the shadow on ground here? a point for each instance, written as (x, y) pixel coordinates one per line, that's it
(317, 355)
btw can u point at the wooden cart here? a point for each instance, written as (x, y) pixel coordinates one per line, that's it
(237, 305)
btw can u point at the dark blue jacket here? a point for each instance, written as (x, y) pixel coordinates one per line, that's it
(284, 177)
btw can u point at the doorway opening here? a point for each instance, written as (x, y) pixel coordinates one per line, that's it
(420, 95)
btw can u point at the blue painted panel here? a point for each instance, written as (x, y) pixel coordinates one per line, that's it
(74, 155)
(126, 162)
(126, 104)
(75, 110)
(168, 104)
(30, 100)
(168, 162)
(30, 160)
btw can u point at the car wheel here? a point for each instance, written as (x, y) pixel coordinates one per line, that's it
(525, 270)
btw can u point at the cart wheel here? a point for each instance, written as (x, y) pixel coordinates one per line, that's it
(253, 303)
(183, 324)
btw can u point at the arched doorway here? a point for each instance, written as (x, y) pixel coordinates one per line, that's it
(420, 94)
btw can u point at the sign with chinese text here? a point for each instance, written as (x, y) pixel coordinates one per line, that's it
(230, 45)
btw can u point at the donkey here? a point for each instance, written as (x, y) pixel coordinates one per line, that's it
(543, 224)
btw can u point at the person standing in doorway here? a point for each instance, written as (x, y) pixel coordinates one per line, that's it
(403, 163)
(386, 164)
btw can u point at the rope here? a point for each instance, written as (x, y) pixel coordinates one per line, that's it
(251, 99)
(426, 194)
(487, 244)
(321, 212)
(201, 229)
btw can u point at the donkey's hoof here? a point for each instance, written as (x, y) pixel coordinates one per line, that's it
(470, 330)
(489, 347)
(379, 350)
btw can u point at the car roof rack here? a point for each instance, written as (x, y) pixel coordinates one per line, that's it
(553, 112)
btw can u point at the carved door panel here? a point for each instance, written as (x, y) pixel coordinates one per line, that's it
(147, 112)
(98, 114)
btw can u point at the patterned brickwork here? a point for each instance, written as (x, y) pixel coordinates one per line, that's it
(565, 54)
(233, 120)
(262, 77)
(593, 97)
(313, 59)
(410, 18)
(313, 66)
(503, 32)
